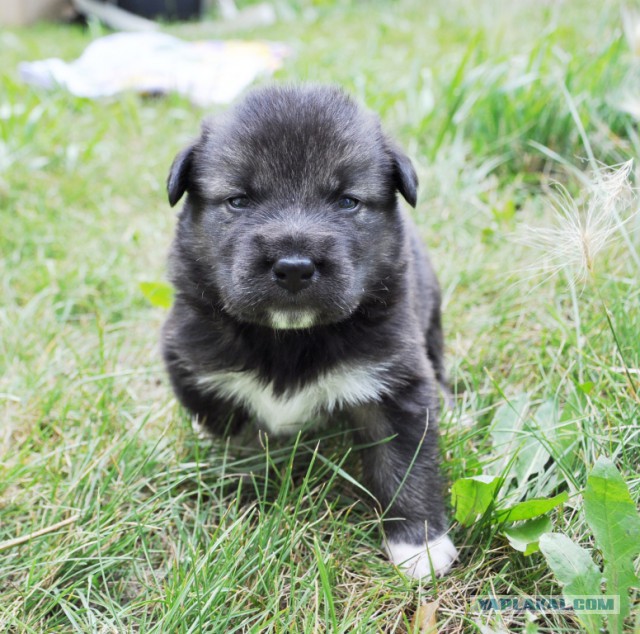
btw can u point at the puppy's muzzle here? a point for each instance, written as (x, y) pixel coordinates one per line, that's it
(294, 273)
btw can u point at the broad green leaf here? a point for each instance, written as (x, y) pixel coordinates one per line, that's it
(568, 428)
(159, 294)
(535, 437)
(566, 435)
(471, 497)
(507, 423)
(575, 570)
(528, 440)
(615, 522)
(525, 537)
(531, 508)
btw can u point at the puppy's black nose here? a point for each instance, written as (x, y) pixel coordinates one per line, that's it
(294, 273)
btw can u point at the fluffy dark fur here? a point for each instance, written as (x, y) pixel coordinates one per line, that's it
(274, 180)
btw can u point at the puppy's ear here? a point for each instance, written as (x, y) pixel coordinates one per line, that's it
(180, 175)
(404, 175)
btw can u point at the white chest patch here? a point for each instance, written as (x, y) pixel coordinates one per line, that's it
(288, 320)
(287, 413)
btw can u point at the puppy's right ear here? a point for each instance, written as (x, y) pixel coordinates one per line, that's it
(405, 176)
(180, 175)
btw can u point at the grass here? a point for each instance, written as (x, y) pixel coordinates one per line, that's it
(170, 532)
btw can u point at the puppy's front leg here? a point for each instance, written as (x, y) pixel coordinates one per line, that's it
(401, 469)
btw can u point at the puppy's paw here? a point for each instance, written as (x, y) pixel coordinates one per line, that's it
(419, 560)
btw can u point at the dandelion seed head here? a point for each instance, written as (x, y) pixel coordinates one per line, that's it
(582, 227)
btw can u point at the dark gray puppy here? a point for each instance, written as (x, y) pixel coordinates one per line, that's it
(302, 291)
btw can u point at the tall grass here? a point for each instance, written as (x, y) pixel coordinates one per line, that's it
(170, 532)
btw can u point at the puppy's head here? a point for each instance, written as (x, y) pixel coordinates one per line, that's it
(291, 218)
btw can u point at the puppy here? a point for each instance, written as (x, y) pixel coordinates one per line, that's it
(303, 292)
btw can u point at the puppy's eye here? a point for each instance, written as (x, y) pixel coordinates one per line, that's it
(238, 202)
(347, 203)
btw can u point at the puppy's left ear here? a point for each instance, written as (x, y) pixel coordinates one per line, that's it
(180, 175)
(404, 175)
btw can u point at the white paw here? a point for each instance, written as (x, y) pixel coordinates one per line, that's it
(420, 560)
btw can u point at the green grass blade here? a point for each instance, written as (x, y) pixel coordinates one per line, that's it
(327, 589)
